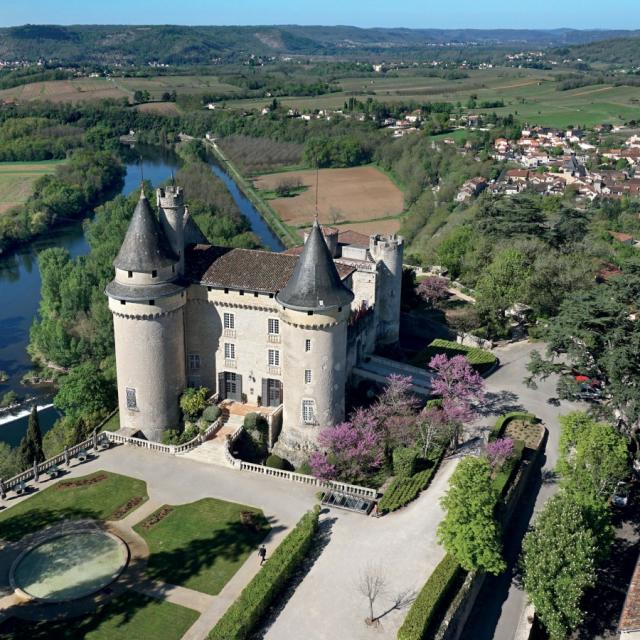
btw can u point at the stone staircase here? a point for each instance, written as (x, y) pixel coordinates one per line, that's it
(212, 451)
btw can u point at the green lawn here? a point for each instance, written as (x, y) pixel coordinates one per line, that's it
(131, 616)
(99, 500)
(113, 423)
(201, 545)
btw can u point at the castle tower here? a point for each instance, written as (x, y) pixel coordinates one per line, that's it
(171, 208)
(315, 310)
(388, 252)
(147, 301)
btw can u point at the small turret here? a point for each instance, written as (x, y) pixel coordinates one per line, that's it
(172, 217)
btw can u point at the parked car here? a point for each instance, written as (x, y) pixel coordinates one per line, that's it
(620, 496)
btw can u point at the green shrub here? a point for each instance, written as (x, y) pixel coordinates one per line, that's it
(404, 462)
(434, 596)
(211, 413)
(193, 401)
(480, 359)
(503, 421)
(242, 617)
(304, 468)
(276, 462)
(401, 491)
(255, 422)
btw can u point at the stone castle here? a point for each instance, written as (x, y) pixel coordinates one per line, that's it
(253, 326)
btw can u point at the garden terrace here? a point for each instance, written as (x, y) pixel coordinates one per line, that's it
(480, 359)
(201, 545)
(99, 496)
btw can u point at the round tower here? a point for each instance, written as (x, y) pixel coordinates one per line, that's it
(171, 210)
(147, 302)
(315, 312)
(388, 252)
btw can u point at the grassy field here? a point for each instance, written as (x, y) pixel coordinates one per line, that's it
(351, 198)
(201, 545)
(97, 496)
(528, 93)
(127, 617)
(17, 179)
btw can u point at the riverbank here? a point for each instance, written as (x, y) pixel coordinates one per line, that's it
(285, 234)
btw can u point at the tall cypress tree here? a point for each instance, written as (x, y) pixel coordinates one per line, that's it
(31, 444)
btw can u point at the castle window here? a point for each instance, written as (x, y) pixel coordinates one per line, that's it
(129, 274)
(308, 411)
(274, 358)
(273, 326)
(226, 290)
(229, 321)
(241, 293)
(152, 302)
(229, 351)
(122, 302)
(307, 345)
(309, 313)
(132, 403)
(154, 274)
(173, 268)
(194, 361)
(255, 294)
(307, 376)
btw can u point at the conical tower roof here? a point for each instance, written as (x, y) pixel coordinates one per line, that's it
(145, 247)
(314, 284)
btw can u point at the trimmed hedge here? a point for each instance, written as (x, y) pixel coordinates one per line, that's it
(255, 422)
(479, 358)
(404, 462)
(503, 478)
(402, 491)
(211, 413)
(432, 599)
(276, 462)
(503, 421)
(242, 617)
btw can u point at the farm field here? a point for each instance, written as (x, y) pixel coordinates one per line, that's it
(529, 94)
(82, 89)
(351, 198)
(161, 108)
(17, 179)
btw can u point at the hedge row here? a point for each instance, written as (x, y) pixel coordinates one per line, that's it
(432, 599)
(503, 421)
(401, 491)
(509, 469)
(477, 357)
(242, 617)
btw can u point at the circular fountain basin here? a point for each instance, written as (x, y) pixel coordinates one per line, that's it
(70, 565)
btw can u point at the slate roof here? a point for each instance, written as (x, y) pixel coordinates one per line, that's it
(315, 283)
(244, 269)
(145, 247)
(142, 293)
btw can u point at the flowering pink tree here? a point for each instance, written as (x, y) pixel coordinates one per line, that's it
(499, 451)
(459, 385)
(433, 289)
(394, 413)
(351, 449)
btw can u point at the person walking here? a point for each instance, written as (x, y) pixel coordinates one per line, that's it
(262, 553)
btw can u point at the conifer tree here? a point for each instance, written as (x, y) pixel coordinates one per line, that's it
(31, 444)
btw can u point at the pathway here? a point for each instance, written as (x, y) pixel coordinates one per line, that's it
(501, 603)
(327, 604)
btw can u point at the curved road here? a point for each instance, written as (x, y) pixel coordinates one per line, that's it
(501, 601)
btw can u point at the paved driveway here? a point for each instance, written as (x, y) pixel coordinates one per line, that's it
(501, 601)
(327, 604)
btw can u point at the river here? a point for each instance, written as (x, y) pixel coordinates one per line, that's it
(20, 278)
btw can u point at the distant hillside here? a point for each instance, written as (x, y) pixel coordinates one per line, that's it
(201, 45)
(619, 51)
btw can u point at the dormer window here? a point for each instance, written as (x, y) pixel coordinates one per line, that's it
(154, 274)
(130, 274)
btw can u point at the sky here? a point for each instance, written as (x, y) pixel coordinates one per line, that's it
(481, 14)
